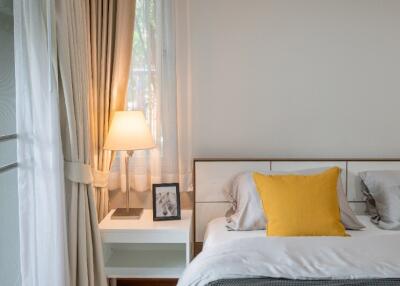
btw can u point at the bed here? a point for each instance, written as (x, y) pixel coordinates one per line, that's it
(217, 233)
(369, 257)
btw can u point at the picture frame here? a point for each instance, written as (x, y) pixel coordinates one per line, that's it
(166, 202)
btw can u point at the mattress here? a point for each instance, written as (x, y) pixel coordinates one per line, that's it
(217, 232)
(287, 282)
(368, 257)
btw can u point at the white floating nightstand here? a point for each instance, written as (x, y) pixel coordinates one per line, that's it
(145, 248)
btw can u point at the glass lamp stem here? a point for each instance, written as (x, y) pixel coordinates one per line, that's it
(129, 155)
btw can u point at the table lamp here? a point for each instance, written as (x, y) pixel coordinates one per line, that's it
(128, 132)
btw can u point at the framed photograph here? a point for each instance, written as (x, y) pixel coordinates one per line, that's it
(166, 202)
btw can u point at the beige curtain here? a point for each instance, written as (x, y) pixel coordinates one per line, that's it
(111, 36)
(84, 244)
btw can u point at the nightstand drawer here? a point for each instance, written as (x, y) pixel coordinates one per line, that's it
(145, 236)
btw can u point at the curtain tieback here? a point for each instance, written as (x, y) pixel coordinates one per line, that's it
(100, 178)
(78, 172)
(82, 173)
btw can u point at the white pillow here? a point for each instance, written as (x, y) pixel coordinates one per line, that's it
(246, 212)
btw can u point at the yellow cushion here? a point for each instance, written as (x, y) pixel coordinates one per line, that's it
(296, 205)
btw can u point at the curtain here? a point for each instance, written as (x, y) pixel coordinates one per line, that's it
(42, 221)
(84, 243)
(111, 33)
(158, 85)
(180, 21)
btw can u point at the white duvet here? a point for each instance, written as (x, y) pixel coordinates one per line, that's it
(297, 258)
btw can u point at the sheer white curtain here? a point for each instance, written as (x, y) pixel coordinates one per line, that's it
(42, 221)
(154, 88)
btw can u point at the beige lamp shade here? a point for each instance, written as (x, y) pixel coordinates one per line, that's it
(128, 131)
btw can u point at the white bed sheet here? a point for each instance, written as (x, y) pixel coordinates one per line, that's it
(368, 254)
(217, 232)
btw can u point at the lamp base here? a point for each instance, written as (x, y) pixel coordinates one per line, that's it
(131, 213)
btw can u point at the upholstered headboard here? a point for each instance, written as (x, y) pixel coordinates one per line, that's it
(212, 175)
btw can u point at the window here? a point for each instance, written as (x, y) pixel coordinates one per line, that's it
(144, 85)
(143, 60)
(153, 88)
(9, 246)
(143, 73)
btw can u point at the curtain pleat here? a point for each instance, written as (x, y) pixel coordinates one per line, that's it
(111, 36)
(84, 245)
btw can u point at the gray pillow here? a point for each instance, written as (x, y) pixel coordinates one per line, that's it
(246, 212)
(382, 190)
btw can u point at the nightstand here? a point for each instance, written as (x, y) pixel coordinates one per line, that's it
(144, 248)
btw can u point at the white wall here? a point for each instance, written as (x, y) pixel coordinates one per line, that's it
(300, 78)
